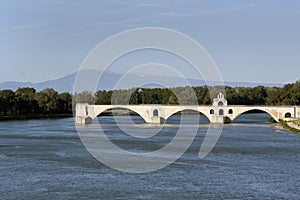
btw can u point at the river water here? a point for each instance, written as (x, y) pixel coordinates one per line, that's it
(253, 159)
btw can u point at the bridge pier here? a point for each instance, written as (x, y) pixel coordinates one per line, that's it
(83, 120)
(216, 119)
(82, 114)
(156, 120)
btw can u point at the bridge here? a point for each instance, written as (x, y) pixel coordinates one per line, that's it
(218, 112)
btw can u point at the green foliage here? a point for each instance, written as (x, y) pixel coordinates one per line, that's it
(297, 122)
(285, 125)
(103, 97)
(84, 97)
(7, 102)
(47, 100)
(246, 96)
(26, 101)
(259, 95)
(289, 94)
(64, 102)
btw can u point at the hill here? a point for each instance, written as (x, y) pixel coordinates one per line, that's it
(65, 84)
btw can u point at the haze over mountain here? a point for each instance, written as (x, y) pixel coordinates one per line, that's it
(109, 80)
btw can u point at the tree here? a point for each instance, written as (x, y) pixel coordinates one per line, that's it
(134, 99)
(64, 102)
(103, 97)
(25, 100)
(47, 100)
(123, 97)
(84, 97)
(201, 93)
(295, 93)
(259, 95)
(231, 95)
(7, 102)
(273, 96)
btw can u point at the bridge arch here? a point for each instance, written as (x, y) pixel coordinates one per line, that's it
(137, 111)
(253, 109)
(187, 109)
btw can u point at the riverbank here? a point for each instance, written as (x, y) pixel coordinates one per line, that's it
(293, 126)
(63, 115)
(39, 116)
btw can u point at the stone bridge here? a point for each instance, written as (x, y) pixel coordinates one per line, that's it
(218, 112)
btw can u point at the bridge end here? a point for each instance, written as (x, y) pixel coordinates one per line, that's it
(82, 114)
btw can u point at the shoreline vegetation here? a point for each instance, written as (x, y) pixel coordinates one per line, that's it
(292, 126)
(29, 117)
(26, 103)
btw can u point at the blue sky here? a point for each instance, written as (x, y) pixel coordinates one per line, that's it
(250, 41)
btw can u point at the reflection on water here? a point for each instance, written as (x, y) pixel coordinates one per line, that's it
(46, 159)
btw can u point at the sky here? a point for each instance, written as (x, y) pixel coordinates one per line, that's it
(249, 40)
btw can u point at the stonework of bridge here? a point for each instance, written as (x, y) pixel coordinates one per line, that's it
(218, 112)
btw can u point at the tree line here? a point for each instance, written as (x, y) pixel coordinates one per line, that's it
(289, 94)
(27, 101)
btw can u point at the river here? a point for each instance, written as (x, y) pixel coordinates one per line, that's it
(253, 159)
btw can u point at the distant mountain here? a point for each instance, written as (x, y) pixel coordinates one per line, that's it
(60, 84)
(64, 84)
(109, 79)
